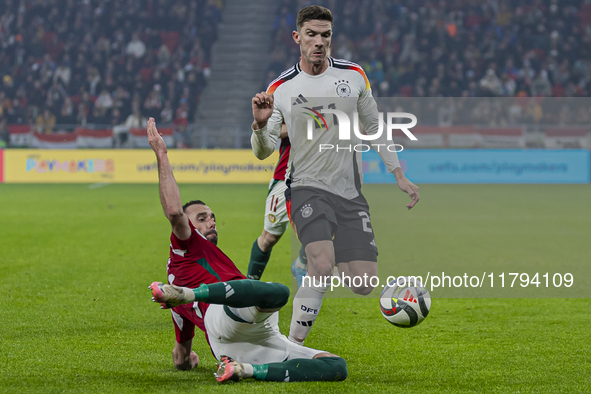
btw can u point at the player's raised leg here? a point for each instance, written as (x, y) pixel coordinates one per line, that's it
(234, 293)
(323, 367)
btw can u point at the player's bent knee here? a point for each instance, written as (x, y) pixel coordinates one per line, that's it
(268, 240)
(282, 294)
(336, 367)
(277, 295)
(321, 268)
(340, 369)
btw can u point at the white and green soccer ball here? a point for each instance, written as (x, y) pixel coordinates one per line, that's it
(405, 302)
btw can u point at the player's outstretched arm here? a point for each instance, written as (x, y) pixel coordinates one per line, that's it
(170, 196)
(265, 129)
(369, 118)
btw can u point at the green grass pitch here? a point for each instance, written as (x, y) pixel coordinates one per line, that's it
(76, 315)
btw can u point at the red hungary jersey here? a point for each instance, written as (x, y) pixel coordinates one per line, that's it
(192, 262)
(281, 166)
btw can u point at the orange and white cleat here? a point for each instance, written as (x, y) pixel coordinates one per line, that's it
(229, 370)
(170, 296)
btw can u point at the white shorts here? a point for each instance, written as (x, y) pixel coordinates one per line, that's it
(249, 336)
(276, 219)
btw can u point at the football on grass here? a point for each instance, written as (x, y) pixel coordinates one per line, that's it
(405, 302)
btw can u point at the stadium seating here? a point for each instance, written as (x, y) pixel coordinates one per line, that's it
(456, 48)
(93, 62)
(100, 65)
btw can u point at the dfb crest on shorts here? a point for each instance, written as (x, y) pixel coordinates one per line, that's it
(343, 89)
(306, 211)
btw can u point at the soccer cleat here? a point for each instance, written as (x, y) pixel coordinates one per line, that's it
(229, 370)
(298, 272)
(170, 296)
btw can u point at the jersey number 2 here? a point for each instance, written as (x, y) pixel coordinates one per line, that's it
(366, 222)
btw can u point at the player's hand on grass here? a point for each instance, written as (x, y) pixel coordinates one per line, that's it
(408, 187)
(194, 359)
(262, 109)
(155, 138)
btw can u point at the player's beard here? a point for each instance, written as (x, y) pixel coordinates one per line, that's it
(212, 236)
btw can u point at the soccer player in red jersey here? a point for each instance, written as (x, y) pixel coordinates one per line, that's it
(239, 316)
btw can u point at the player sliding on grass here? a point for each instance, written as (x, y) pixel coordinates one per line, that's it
(276, 220)
(330, 213)
(239, 315)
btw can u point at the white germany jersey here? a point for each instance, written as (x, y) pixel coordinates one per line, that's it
(299, 96)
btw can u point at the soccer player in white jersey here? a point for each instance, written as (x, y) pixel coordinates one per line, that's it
(330, 214)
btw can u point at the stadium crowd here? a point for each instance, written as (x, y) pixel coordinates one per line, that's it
(455, 48)
(109, 62)
(104, 61)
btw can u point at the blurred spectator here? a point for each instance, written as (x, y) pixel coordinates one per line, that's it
(491, 84)
(67, 115)
(62, 55)
(16, 114)
(116, 118)
(492, 47)
(8, 85)
(136, 47)
(135, 120)
(541, 85)
(508, 85)
(63, 73)
(104, 101)
(167, 113)
(154, 102)
(45, 122)
(82, 114)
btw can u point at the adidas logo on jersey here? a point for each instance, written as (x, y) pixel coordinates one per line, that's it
(300, 100)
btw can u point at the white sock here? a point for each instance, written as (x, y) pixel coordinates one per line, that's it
(248, 370)
(306, 306)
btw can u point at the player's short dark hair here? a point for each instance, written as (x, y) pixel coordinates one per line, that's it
(193, 202)
(313, 12)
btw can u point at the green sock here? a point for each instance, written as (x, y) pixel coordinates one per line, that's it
(258, 261)
(244, 293)
(303, 370)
